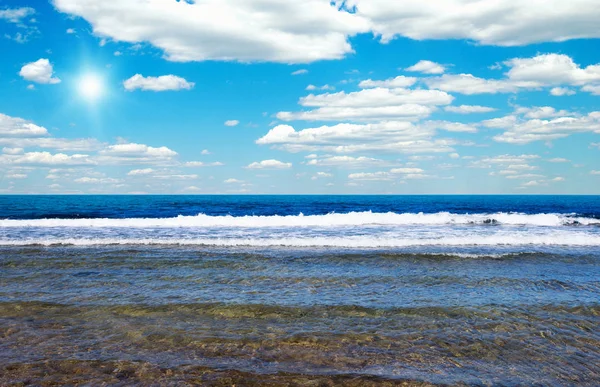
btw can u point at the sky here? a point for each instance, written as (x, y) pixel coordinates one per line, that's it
(311, 97)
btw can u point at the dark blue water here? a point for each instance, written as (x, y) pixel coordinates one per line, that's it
(150, 206)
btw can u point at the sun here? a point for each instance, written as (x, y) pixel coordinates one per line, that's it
(90, 86)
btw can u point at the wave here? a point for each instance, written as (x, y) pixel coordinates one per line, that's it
(329, 220)
(336, 242)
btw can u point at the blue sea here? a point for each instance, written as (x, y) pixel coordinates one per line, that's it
(300, 290)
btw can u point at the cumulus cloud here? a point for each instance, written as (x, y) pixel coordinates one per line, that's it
(345, 161)
(269, 164)
(399, 82)
(193, 164)
(561, 91)
(97, 180)
(324, 87)
(393, 136)
(549, 69)
(470, 84)
(373, 104)
(544, 70)
(40, 71)
(504, 23)
(523, 131)
(162, 83)
(16, 15)
(46, 158)
(248, 31)
(427, 67)
(469, 109)
(133, 153)
(321, 175)
(393, 174)
(592, 89)
(12, 151)
(18, 127)
(141, 172)
(232, 123)
(312, 30)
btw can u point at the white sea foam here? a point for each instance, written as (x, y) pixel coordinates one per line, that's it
(553, 239)
(328, 220)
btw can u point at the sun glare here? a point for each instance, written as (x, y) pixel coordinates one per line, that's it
(91, 87)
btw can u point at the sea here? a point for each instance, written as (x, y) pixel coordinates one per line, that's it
(300, 290)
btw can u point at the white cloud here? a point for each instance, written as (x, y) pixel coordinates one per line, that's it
(376, 104)
(592, 89)
(311, 30)
(594, 172)
(399, 82)
(470, 84)
(541, 112)
(503, 160)
(46, 158)
(18, 127)
(321, 175)
(132, 153)
(141, 172)
(504, 23)
(12, 151)
(345, 161)
(408, 112)
(427, 67)
(377, 97)
(40, 71)
(97, 180)
(468, 109)
(561, 91)
(269, 164)
(526, 131)
(522, 167)
(454, 156)
(233, 181)
(70, 31)
(162, 83)
(232, 123)
(393, 174)
(246, 31)
(193, 164)
(543, 70)
(171, 176)
(324, 87)
(16, 15)
(300, 72)
(393, 136)
(559, 178)
(532, 183)
(371, 176)
(551, 69)
(16, 176)
(205, 152)
(558, 160)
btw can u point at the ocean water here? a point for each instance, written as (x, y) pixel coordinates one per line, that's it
(300, 290)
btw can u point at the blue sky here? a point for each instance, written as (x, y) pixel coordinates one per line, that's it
(272, 96)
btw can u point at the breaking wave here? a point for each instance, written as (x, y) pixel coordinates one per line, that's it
(329, 220)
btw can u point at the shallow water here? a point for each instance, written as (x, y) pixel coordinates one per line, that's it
(102, 302)
(504, 319)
